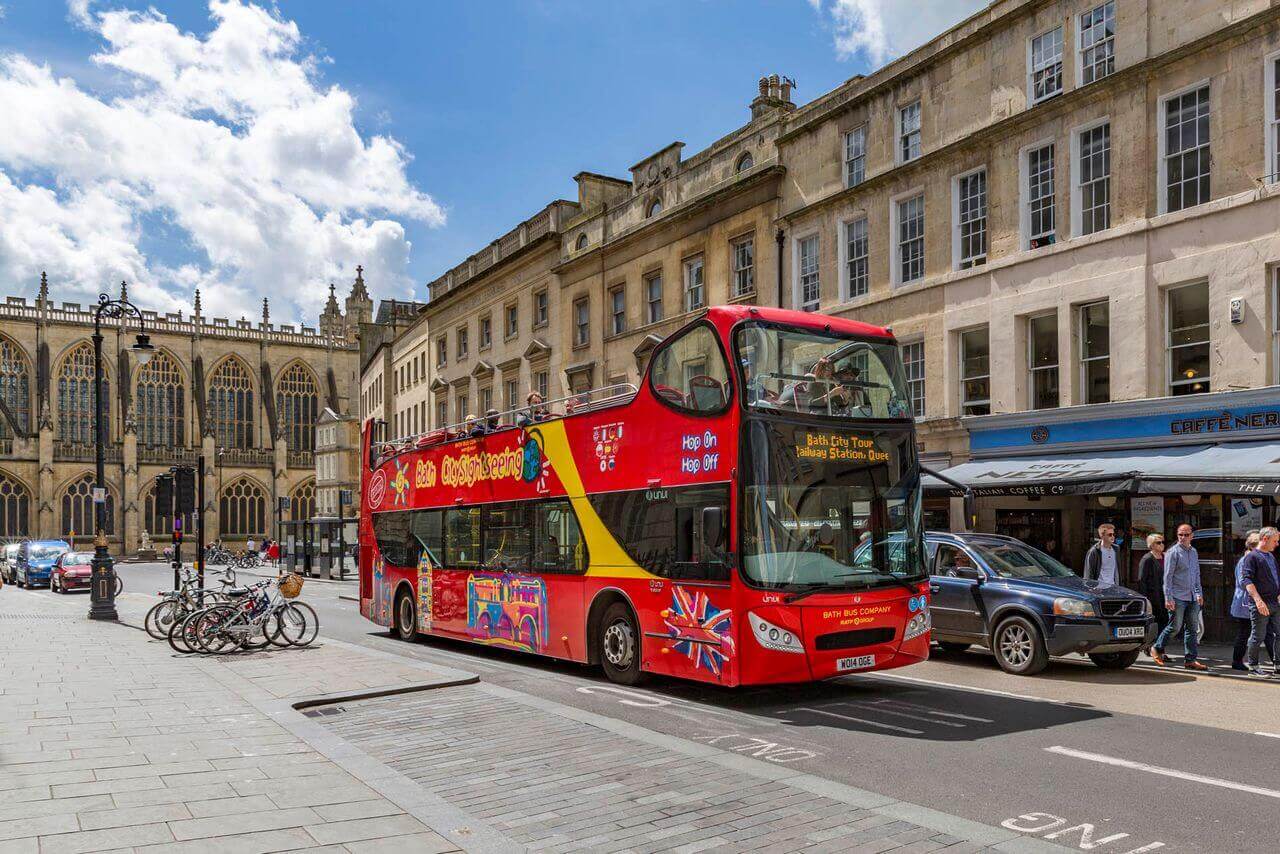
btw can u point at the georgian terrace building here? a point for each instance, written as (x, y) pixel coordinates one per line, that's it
(244, 394)
(1069, 212)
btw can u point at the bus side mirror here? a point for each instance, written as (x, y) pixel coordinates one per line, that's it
(713, 527)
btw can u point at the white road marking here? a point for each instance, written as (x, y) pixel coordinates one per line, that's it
(1164, 772)
(883, 708)
(918, 681)
(930, 710)
(861, 721)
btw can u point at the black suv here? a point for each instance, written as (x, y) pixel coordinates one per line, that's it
(1025, 606)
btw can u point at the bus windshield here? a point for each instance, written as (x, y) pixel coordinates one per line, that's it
(814, 495)
(787, 369)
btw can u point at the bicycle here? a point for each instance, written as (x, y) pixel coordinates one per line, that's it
(266, 615)
(177, 603)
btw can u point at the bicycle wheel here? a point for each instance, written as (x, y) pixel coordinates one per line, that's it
(211, 634)
(297, 624)
(160, 617)
(119, 584)
(177, 633)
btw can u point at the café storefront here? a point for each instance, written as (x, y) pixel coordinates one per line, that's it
(1051, 477)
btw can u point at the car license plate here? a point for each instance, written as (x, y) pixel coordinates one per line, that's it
(857, 662)
(1130, 631)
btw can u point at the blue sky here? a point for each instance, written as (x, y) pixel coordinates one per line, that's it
(461, 119)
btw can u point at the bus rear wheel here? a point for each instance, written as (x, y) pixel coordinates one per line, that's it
(405, 624)
(620, 646)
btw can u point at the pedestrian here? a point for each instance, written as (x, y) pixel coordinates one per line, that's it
(1183, 599)
(1240, 611)
(273, 551)
(1262, 582)
(1102, 562)
(251, 546)
(1151, 579)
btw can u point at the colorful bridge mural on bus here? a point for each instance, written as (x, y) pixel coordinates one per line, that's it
(508, 610)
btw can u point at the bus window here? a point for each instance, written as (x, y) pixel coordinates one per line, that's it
(462, 537)
(391, 530)
(428, 529)
(689, 373)
(557, 540)
(506, 537)
(643, 520)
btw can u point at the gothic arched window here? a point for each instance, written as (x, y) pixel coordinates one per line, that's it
(297, 405)
(159, 405)
(15, 387)
(231, 405)
(77, 509)
(76, 396)
(302, 501)
(15, 508)
(242, 509)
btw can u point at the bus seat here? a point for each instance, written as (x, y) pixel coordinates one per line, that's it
(706, 393)
(671, 394)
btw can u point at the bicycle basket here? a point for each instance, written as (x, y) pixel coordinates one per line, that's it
(291, 585)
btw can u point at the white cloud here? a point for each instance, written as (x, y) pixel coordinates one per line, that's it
(226, 142)
(880, 30)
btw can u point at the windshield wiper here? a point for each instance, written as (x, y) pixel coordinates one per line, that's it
(807, 590)
(889, 575)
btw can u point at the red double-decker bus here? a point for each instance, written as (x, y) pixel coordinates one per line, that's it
(750, 514)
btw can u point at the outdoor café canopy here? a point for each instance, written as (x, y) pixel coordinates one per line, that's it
(1244, 468)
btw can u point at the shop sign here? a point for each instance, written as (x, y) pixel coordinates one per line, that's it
(1146, 516)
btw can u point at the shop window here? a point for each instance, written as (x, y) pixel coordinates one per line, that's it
(1095, 352)
(1042, 360)
(1188, 339)
(975, 372)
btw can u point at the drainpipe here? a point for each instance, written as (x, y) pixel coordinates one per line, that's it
(781, 237)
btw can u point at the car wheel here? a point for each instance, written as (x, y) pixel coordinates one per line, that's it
(954, 647)
(53, 585)
(405, 625)
(1114, 660)
(18, 582)
(1019, 648)
(620, 646)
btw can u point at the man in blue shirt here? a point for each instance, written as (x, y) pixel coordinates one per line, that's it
(1260, 579)
(1183, 598)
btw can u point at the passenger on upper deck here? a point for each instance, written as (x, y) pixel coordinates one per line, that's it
(491, 422)
(473, 427)
(534, 410)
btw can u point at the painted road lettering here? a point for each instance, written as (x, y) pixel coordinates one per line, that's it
(760, 748)
(1082, 835)
(640, 701)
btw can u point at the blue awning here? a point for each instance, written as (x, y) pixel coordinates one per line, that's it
(1244, 468)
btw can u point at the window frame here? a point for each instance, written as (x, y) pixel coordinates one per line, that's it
(1086, 359)
(687, 266)
(847, 166)
(512, 311)
(1162, 153)
(1271, 116)
(797, 274)
(541, 308)
(1025, 202)
(965, 404)
(463, 347)
(958, 261)
(899, 157)
(1033, 370)
(486, 332)
(1081, 48)
(847, 258)
(581, 308)
(648, 279)
(724, 356)
(1032, 69)
(895, 272)
(617, 318)
(735, 271)
(1077, 187)
(1169, 347)
(910, 381)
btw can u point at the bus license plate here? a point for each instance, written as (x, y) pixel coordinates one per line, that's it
(858, 662)
(1130, 631)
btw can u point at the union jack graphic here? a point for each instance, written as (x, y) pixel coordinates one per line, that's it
(699, 630)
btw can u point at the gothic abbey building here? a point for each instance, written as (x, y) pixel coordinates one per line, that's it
(244, 395)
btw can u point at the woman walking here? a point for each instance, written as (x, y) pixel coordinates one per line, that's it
(1240, 610)
(1151, 579)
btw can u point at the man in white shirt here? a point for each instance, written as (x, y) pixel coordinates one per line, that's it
(1101, 563)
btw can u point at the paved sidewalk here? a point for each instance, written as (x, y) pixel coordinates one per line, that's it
(110, 741)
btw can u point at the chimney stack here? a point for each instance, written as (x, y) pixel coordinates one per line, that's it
(775, 94)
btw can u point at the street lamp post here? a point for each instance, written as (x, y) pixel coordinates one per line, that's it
(102, 593)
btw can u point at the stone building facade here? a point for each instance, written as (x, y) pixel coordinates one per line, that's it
(244, 395)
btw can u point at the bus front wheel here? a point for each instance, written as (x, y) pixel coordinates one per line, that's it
(620, 646)
(405, 626)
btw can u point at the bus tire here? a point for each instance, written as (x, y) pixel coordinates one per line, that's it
(404, 622)
(620, 646)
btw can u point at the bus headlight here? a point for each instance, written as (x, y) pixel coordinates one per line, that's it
(918, 625)
(774, 637)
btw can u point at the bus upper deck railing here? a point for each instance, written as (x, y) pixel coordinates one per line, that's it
(509, 419)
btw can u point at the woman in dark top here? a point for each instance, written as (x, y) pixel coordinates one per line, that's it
(1151, 579)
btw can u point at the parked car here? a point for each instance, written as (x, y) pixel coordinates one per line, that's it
(9, 560)
(36, 560)
(1025, 606)
(71, 571)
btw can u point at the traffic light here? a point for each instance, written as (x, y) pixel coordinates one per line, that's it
(164, 495)
(184, 487)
